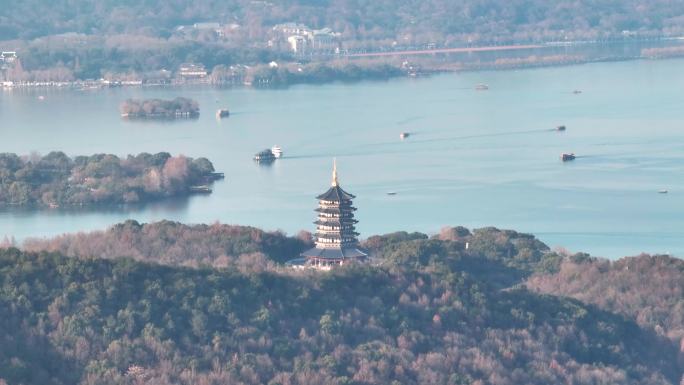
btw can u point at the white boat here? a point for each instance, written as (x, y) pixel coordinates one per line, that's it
(277, 151)
(662, 192)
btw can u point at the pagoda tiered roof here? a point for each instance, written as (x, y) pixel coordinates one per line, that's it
(335, 210)
(336, 222)
(335, 254)
(336, 238)
(335, 235)
(336, 194)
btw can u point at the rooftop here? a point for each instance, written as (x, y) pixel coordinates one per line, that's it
(347, 253)
(335, 193)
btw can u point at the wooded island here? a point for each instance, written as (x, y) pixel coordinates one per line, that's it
(56, 180)
(160, 109)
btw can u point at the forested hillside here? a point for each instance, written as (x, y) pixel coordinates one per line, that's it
(66, 40)
(414, 321)
(174, 243)
(649, 289)
(428, 311)
(488, 20)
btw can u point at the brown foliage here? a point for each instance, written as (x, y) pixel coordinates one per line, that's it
(648, 288)
(166, 242)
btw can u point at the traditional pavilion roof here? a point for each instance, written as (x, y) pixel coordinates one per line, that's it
(349, 252)
(335, 193)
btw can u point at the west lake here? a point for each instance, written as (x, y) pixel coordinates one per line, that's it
(474, 158)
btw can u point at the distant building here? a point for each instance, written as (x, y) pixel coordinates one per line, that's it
(8, 56)
(207, 26)
(8, 62)
(301, 39)
(288, 29)
(336, 242)
(324, 39)
(160, 77)
(210, 27)
(298, 44)
(191, 71)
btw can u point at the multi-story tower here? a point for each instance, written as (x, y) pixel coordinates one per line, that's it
(336, 242)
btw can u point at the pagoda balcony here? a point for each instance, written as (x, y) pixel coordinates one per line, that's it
(329, 229)
(347, 242)
(335, 210)
(336, 237)
(336, 246)
(345, 232)
(335, 218)
(336, 203)
(336, 222)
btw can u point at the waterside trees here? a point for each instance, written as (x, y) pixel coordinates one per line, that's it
(57, 180)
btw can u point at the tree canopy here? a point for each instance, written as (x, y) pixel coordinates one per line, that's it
(101, 179)
(429, 311)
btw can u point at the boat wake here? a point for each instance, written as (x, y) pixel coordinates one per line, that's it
(463, 137)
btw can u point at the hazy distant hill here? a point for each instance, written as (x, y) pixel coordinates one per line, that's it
(63, 40)
(436, 20)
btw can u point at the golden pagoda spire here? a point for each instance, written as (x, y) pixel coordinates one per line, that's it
(334, 176)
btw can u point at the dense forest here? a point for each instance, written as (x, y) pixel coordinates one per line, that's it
(57, 180)
(427, 311)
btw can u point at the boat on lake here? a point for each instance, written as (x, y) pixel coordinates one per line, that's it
(560, 128)
(277, 151)
(481, 87)
(265, 156)
(567, 157)
(222, 113)
(404, 135)
(662, 191)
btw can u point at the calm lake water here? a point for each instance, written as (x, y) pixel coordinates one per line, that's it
(474, 158)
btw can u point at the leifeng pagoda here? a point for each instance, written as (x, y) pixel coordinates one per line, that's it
(336, 242)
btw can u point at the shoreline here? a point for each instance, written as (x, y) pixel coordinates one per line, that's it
(426, 69)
